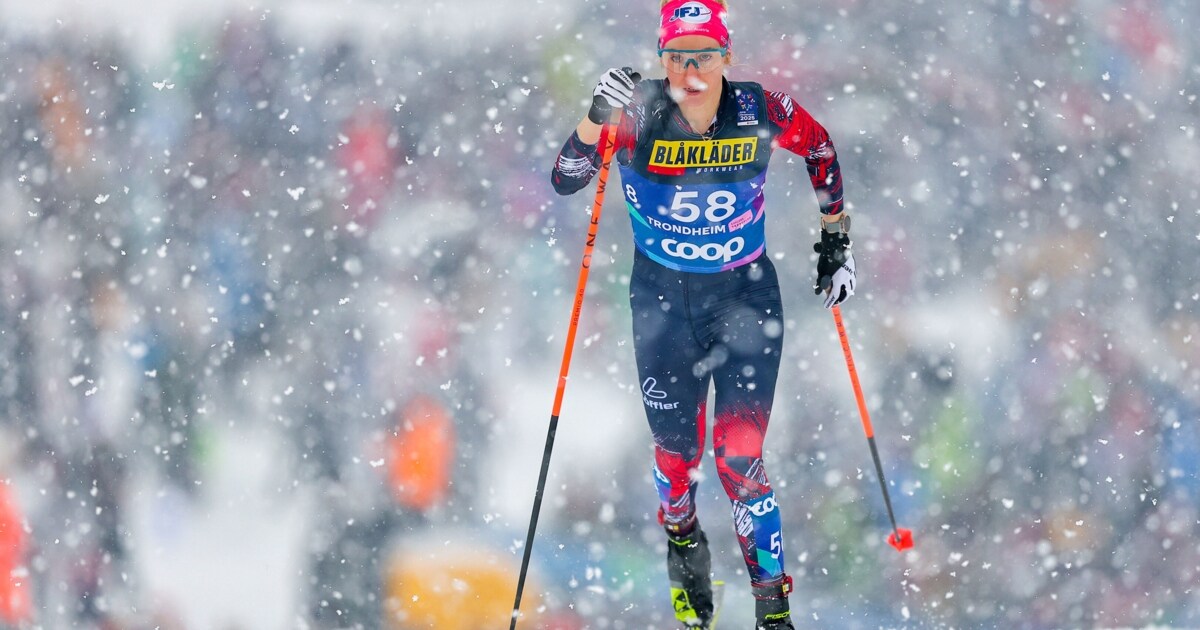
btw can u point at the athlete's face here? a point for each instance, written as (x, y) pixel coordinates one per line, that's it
(692, 80)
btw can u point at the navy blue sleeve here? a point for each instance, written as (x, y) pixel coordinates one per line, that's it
(577, 163)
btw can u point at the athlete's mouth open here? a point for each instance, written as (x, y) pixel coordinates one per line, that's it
(692, 87)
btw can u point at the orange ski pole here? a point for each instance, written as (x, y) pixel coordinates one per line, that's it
(900, 538)
(610, 141)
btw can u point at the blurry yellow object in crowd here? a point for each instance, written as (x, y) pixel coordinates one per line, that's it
(467, 587)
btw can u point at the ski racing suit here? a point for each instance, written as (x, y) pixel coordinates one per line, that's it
(704, 294)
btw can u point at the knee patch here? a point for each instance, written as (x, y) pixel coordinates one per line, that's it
(742, 477)
(676, 496)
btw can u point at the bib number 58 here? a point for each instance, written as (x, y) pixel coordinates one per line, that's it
(719, 206)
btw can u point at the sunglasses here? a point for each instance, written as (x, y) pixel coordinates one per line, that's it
(705, 59)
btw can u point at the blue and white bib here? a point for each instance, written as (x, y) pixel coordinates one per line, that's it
(696, 203)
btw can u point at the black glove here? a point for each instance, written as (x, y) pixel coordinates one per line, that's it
(835, 265)
(615, 89)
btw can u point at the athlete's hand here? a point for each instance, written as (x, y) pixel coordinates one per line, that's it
(615, 90)
(835, 268)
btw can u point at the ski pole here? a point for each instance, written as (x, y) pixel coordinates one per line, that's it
(610, 141)
(900, 538)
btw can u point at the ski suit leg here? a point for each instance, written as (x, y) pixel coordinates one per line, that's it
(743, 320)
(673, 393)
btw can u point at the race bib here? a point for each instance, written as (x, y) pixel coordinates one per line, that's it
(702, 228)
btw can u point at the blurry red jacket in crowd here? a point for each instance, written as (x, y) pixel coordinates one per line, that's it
(369, 160)
(421, 453)
(15, 605)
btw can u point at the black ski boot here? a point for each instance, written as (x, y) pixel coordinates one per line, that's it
(771, 605)
(689, 566)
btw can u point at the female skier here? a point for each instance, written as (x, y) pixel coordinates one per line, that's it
(693, 150)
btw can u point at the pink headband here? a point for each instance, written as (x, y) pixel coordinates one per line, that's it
(693, 17)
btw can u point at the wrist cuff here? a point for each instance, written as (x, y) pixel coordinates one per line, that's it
(839, 226)
(599, 111)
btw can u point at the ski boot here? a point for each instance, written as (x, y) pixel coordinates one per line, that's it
(689, 566)
(771, 605)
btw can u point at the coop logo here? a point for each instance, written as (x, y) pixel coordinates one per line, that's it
(653, 397)
(709, 251)
(763, 506)
(692, 13)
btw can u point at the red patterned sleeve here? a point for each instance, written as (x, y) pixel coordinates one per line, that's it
(795, 130)
(577, 162)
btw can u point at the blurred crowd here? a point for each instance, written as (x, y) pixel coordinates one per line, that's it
(351, 251)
